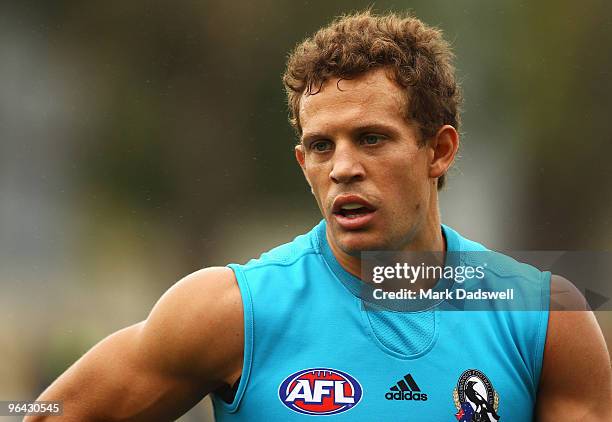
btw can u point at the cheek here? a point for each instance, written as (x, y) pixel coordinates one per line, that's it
(401, 176)
(407, 189)
(317, 176)
(412, 169)
(318, 181)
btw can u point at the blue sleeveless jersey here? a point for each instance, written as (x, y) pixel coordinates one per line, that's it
(314, 347)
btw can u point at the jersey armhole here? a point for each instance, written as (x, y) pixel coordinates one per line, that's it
(247, 306)
(542, 331)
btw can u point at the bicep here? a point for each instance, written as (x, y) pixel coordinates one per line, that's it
(159, 368)
(115, 381)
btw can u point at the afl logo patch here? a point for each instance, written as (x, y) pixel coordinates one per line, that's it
(475, 398)
(320, 391)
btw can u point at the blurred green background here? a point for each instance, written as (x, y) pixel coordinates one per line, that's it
(141, 141)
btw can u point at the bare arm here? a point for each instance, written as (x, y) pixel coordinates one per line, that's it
(576, 382)
(190, 344)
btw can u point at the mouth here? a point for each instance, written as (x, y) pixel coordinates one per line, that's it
(352, 212)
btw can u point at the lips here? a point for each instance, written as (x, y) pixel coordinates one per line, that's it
(349, 203)
(352, 212)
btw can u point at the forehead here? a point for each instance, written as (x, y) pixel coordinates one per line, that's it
(373, 97)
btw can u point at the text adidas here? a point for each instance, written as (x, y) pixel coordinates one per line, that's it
(406, 395)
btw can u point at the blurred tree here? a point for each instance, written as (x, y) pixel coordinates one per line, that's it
(565, 91)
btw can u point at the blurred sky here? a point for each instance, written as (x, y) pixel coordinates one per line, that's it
(140, 141)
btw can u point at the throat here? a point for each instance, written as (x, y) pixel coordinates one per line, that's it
(350, 263)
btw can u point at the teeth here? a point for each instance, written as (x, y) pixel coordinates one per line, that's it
(351, 206)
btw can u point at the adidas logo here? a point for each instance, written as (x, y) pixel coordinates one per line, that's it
(406, 389)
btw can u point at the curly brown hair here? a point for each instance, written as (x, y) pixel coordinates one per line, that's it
(419, 58)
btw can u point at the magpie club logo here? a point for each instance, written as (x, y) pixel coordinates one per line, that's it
(475, 398)
(320, 391)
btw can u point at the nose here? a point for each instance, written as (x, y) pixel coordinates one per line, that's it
(346, 166)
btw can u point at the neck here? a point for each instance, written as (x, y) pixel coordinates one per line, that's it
(427, 237)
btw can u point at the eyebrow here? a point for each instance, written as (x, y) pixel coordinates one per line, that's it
(360, 129)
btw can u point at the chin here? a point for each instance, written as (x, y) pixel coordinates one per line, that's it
(353, 243)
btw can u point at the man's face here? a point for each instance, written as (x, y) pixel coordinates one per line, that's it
(363, 161)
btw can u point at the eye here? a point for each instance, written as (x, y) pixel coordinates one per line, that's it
(371, 139)
(321, 146)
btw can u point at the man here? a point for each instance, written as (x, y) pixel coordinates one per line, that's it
(375, 103)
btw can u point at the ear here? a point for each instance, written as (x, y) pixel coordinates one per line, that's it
(444, 147)
(300, 156)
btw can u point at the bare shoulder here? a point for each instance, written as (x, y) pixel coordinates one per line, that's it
(199, 322)
(564, 296)
(573, 332)
(576, 381)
